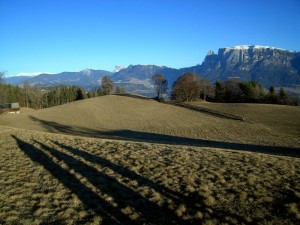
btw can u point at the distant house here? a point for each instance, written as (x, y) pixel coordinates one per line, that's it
(10, 108)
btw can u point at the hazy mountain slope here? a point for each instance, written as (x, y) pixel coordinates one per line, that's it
(16, 80)
(136, 78)
(87, 79)
(268, 65)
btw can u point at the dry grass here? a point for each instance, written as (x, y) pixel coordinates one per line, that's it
(48, 178)
(282, 118)
(103, 115)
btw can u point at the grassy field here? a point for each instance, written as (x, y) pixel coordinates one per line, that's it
(120, 160)
(147, 120)
(284, 119)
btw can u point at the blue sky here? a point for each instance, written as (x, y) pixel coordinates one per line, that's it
(71, 35)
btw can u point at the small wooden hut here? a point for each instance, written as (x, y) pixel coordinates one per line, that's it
(10, 108)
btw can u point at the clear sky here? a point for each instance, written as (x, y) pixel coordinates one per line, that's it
(71, 35)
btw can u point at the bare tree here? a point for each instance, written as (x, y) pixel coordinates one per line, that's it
(26, 93)
(1, 77)
(120, 90)
(160, 85)
(206, 89)
(187, 87)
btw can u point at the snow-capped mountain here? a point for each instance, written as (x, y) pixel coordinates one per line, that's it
(269, 66)
(118, 68)
(29, 74)
(247, 47)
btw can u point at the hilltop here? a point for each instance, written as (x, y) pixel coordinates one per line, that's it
(122, 117)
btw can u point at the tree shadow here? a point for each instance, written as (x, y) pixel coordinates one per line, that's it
(192, 201)
(141, 97)
(124, 172)
(89, 198)
(123, 196)
(150, 212)
(138, 136)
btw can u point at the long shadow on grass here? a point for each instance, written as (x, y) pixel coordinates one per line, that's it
(124, 172)
(192, 201)
(165, 139)
(176, 197)
(90, 199)
(124, 197)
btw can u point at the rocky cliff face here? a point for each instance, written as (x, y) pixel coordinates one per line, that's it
(267, 65)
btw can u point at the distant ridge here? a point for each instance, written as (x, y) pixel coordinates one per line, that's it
(270, 66)
(87, 79)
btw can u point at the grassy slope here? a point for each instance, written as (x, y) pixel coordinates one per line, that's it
(285, 119)
(113, 115)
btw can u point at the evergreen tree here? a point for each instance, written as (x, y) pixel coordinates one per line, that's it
(107, 85)
(220, 92)
(282, 96)
(272, 97)
(2, 89)
(79, 94)
(272, 90)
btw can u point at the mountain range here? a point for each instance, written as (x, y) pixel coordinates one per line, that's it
(267, 65)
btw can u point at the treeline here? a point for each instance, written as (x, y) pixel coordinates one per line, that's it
(234, 91)
(190, 87)
(38, 98)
